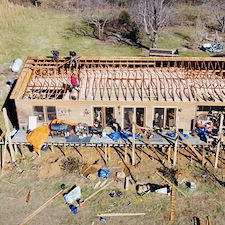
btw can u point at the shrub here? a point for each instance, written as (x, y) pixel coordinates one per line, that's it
(71, 164)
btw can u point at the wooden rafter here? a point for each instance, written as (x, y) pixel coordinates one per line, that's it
(123, 78)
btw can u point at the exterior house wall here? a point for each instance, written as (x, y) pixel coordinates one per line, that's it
(82, 111)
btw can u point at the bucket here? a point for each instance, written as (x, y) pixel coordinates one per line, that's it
(16, 66)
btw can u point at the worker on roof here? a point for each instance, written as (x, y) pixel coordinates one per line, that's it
(75, 86)
(73, 59)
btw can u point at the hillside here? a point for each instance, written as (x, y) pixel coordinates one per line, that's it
(37, 30)
(32, 181)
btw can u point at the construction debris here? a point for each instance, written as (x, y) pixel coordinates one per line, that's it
(120, 214)
(73, 208)
(143, 189)
(120, 175)
(171, 184)
(114, 194)
(57, 195)
(73, 195)
(104, 173)
(98, 191)
(28, 197)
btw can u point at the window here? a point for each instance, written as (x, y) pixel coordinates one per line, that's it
(47, 113)
(128, 117)
(39, 112)
(158, 117)
(51, 112)
(164, 117)
(109, 115)
(210, 108)
(103, 115)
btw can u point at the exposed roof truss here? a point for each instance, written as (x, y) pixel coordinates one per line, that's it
(124, 79)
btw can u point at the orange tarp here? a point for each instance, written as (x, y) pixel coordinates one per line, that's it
(38, 136)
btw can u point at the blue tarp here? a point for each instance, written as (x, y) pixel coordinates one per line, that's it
(117, 135)
(174, 135)
(202, 133)
(103, 173)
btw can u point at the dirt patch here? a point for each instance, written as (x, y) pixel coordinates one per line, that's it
(42, 178)
(49, 170)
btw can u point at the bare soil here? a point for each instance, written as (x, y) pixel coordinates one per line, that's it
(32, 181)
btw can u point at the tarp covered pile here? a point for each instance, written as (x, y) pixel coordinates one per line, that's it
(38, 136)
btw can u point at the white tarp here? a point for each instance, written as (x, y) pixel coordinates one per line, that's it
(73, 195)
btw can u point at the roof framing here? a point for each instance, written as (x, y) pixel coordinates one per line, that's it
(124, 79)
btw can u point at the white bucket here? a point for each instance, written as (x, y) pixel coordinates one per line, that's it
(16, 66)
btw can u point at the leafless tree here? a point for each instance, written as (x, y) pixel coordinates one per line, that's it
(218, 9)
(97, 14)
(200, 29)
(152, 16)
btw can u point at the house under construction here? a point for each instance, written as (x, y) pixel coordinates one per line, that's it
(151, 91)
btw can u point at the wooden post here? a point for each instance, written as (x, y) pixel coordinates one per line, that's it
(172, 207)
(125, 154)
(176, 142)
(169, 154)
(81, 152)
(203, 155)
(127, 179)
(105, 148)
(141, 153)
(16, 149)
(109, 153)
(3, 158)
(133, 143)
(175, 152)
(201, 221)
(6, 119)
(64, 148)
(208, 222)
(21, 150)
(120, 214)
(219, 141)
(52, 148)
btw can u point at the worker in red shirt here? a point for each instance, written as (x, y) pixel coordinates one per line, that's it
(74, 82)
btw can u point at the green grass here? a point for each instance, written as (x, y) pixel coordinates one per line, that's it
(43, 30)
(36, 31)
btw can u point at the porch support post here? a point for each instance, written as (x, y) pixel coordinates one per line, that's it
(176, 142)
(219, 140)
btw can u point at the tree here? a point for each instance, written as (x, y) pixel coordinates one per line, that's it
(200, 29)
(218, 9)
(97, 15)
(152, 16)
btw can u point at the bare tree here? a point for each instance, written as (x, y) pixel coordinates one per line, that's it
(98, 14)
(153, 15)
(218, 9)
(200, 29)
